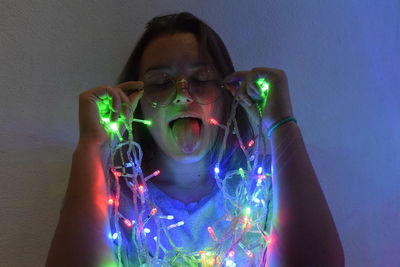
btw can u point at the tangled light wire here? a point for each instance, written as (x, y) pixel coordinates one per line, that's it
(247, 220)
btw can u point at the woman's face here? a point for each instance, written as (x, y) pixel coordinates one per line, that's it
(181, 129)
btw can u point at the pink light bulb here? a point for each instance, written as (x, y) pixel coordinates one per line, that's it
(213, 121)
(128, 223)
(251, 143)
(153, 211)
(141, 188)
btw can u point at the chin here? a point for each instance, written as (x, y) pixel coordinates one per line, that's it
(188, 158)
(189, 154)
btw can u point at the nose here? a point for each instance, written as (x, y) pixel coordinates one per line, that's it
(182, 92)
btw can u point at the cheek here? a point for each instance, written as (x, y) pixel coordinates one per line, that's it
(148, 112)
(151, 114)
(217, 111)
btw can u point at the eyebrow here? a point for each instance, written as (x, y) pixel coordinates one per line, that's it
(163, 67)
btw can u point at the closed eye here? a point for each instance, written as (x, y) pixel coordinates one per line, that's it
(158, 81)
(203, 83)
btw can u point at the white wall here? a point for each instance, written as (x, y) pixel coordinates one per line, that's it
(341, 57)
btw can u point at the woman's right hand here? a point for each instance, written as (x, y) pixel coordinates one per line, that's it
(125, 98)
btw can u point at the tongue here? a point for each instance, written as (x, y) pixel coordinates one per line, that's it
(187, 134)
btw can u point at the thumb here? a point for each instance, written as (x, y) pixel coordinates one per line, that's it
(234, 81)
(131, 87)
(134, 91)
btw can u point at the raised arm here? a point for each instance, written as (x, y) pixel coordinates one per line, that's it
(81, 237)
(304, 233)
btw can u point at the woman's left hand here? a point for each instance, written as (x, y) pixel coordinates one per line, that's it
(277, 106)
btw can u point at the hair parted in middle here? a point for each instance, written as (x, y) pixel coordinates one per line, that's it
(215, 53)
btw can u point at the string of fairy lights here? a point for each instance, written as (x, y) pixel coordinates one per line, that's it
(246, 224)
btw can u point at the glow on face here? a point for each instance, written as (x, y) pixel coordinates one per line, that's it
(178, 55)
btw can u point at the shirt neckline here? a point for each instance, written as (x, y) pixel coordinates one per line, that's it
(159, 194)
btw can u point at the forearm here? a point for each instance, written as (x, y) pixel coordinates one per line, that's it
(304, 231)
(81, 237)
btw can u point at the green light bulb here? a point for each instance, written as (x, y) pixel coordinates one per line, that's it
(113, 126)
(148, 122)
(263, 85)
(241, 172)
(247, 211)
(104, 105)
(145, 122)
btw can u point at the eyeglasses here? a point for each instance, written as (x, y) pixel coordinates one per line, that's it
(160, 89)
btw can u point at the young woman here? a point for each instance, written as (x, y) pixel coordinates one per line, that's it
(215, 136)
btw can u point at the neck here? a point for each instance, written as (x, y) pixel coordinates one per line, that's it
(179, 179)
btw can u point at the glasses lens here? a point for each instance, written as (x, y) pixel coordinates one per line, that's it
(205, 87)
(205, 91)
(159, 89)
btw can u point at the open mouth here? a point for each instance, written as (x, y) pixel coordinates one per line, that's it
(188, 120)
(187, 133)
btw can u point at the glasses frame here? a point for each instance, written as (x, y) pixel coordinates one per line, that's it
(188, 89)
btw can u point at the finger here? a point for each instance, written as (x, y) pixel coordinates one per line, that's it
(131, 87)
(272, 74)
(236, 76)
(106, 91)
(244, 100)
(253, 89)
(251, 109)
(125, 111)
(237, 83)
(254, 92)
(247, 93)
(125, 103)
(234, 81)
(134, 99)
(274, 77)
(134, 90)
(116, 103)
